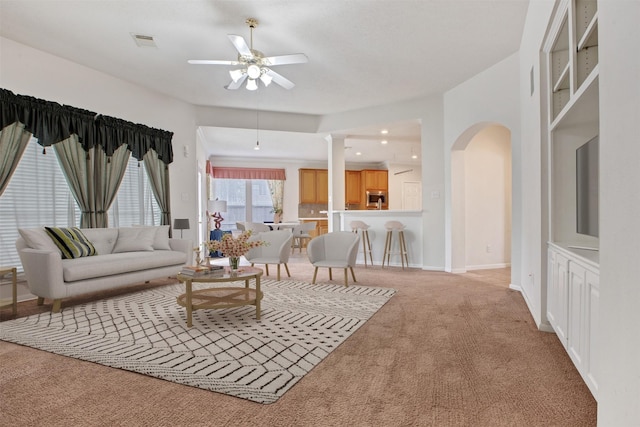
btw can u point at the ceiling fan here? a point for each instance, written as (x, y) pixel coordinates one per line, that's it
(254, 65)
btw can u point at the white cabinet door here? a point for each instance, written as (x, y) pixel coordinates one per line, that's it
(557, 294)
(576, 333)
(591, 365)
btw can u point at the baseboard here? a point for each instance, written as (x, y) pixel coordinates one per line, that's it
(432, 268)
(515, 287)
(488, 266)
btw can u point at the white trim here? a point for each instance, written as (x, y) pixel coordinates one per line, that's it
(488, 266)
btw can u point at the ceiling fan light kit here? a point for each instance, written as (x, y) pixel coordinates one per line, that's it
(255, 66)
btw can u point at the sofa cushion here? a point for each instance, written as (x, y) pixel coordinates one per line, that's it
(161, 239)
(71, 242)
(134, 239)
(37, 238)
(103, 239)
(119, 263)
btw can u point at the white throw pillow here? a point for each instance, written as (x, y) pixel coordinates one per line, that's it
(161, 239)
(37, 238)
(133, 239)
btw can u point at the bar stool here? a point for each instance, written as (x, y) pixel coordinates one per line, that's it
(366, 243)
(398, 227)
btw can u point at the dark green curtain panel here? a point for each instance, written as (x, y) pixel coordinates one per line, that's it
(51, 123)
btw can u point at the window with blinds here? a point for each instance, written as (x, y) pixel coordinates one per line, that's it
(135, 203)
(38, 195)
(247, 200)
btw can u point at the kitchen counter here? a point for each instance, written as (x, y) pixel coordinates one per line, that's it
(377, 233)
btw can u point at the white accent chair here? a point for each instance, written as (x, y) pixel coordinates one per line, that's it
(301, 235)
(337, 249)
(276, 251)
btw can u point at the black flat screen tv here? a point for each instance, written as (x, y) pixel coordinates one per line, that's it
(587, 191)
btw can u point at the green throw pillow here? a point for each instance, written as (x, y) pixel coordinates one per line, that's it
(71, 242)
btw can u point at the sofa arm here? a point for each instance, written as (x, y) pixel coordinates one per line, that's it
(183, 245)
(43, 270)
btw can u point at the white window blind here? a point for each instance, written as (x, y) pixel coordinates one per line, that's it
(247, 200)
(37, 195)
(135, 203)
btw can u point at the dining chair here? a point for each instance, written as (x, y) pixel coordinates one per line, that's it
(337, 249)
(276, 250)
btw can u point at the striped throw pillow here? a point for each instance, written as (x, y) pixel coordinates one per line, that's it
(71, 242)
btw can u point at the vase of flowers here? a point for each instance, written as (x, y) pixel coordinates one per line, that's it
(234, 263)
(234, 247)
(277, 215)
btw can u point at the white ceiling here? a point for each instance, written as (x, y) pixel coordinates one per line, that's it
(362, 53)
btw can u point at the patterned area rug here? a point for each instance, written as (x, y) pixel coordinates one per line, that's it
(226, 351)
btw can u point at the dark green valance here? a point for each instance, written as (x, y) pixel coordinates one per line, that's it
(51, 123)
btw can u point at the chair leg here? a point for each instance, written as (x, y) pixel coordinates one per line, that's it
(286, 267)
(346, 277)
(252, 264)
(366, 233)
(40, 301)
(353, 274)
(330, 275)
(278, 275)
(266, 267)
(315, 273)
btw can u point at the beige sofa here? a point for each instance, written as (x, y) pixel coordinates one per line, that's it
(124, 256)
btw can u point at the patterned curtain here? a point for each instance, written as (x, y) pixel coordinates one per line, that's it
(276, 188)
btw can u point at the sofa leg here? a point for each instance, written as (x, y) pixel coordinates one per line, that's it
(40, 300)
(330, 274)
(57, 304)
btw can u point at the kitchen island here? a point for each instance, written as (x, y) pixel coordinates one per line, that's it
(377, 233)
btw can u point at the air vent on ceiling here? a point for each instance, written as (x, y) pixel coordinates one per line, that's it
(144, 40)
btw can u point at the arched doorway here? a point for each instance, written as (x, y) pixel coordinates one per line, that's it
(481, 198)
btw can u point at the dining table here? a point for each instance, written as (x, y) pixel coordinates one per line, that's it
(282, 225)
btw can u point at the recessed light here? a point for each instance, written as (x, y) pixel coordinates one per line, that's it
(358, 153)
(384, 141)
(414, 156)
(384, 131)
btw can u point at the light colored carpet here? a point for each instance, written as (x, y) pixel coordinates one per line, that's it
(226, 351)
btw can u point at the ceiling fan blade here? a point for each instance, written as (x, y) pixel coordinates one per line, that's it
(235, 85)
(212, 62)
(240, 44)
(282, 81)
(295, 58)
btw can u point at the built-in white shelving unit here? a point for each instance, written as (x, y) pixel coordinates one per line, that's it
(573, 287)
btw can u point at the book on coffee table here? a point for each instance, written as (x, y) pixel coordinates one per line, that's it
(201, 270)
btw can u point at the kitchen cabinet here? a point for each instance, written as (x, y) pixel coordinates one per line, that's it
(375, 179)
(322, 226)
(314, 185)
(352, 188)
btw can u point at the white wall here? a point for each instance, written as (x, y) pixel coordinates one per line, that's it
(396, 182)
(27, 71)
(488, 199)
(618, 34)
(491, 97)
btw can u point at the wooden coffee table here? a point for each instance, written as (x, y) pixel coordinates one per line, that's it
(221, 297)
